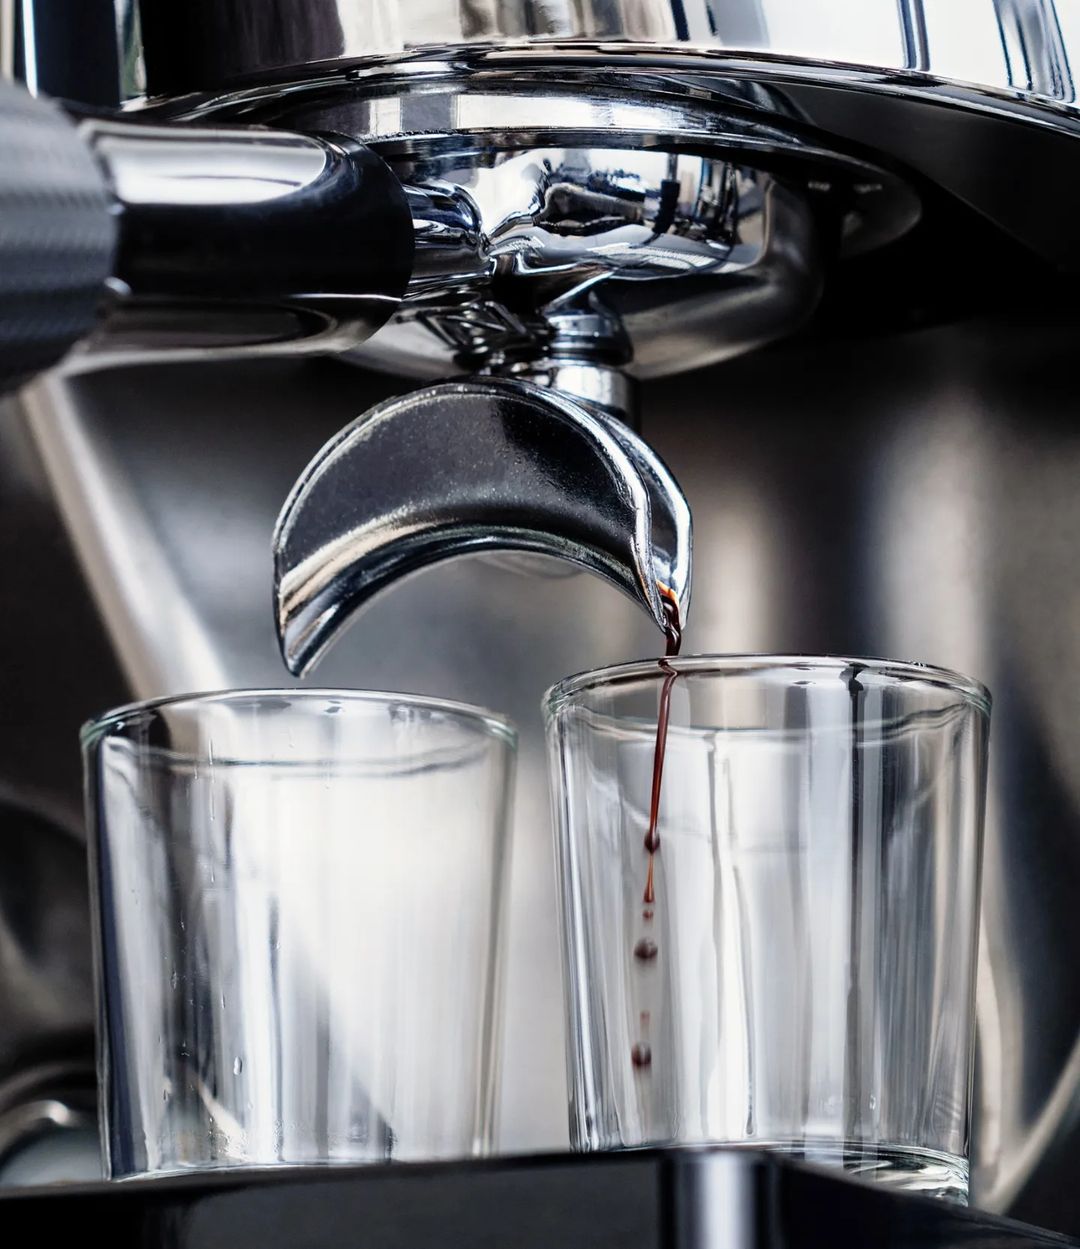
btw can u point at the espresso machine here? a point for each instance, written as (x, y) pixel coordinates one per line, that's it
(801, 270)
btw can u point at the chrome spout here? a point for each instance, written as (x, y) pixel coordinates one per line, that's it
(478, 465)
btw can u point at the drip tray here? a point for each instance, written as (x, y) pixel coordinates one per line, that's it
(675, 1199)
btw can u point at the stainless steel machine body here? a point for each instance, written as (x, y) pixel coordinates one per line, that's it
(603, 192)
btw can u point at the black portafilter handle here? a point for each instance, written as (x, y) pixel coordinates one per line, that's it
(137, 240)
(58, 235)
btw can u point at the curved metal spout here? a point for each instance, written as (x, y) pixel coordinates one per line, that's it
(480, 465)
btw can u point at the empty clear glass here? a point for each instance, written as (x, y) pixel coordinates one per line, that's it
(803, 978)
(298, 898)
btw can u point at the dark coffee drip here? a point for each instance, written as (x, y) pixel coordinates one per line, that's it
(673, 635)
(641, 1054)
(645, 951)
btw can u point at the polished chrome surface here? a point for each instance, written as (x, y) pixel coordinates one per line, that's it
(44, 962)
(131, 67)
(911, 493)
(618, 222)
(85, 53)
(1033, 40)
(477, 465)
(597, 385)
(48, 1118)
(66, 51)
(47, 1086)
(985, 140)
(7, 40)
(649, 259)
(156, 634)
(1022, 44)
(246, 240)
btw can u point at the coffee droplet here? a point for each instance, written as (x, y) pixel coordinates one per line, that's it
(645, 950)
(641, 1054)
(647, 913)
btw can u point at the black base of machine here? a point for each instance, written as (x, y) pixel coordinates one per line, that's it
(675, 1199)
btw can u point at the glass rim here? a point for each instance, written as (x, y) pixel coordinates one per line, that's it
(491, 722)
(902, 672)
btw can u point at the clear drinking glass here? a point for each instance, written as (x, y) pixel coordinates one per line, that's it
(804, 978)
(297, 912)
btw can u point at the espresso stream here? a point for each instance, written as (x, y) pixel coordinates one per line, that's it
(646, 949)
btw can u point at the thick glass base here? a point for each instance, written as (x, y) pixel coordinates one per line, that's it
(907, 1168)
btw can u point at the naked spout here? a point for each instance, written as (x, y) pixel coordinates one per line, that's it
(479, 465)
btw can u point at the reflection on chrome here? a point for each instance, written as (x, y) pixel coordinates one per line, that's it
(1026, 45)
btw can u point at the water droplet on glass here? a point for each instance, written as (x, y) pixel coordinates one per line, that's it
(238, 1066)
(645, 950)
(873, 1102)
(641, 1054)
(174, 980)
